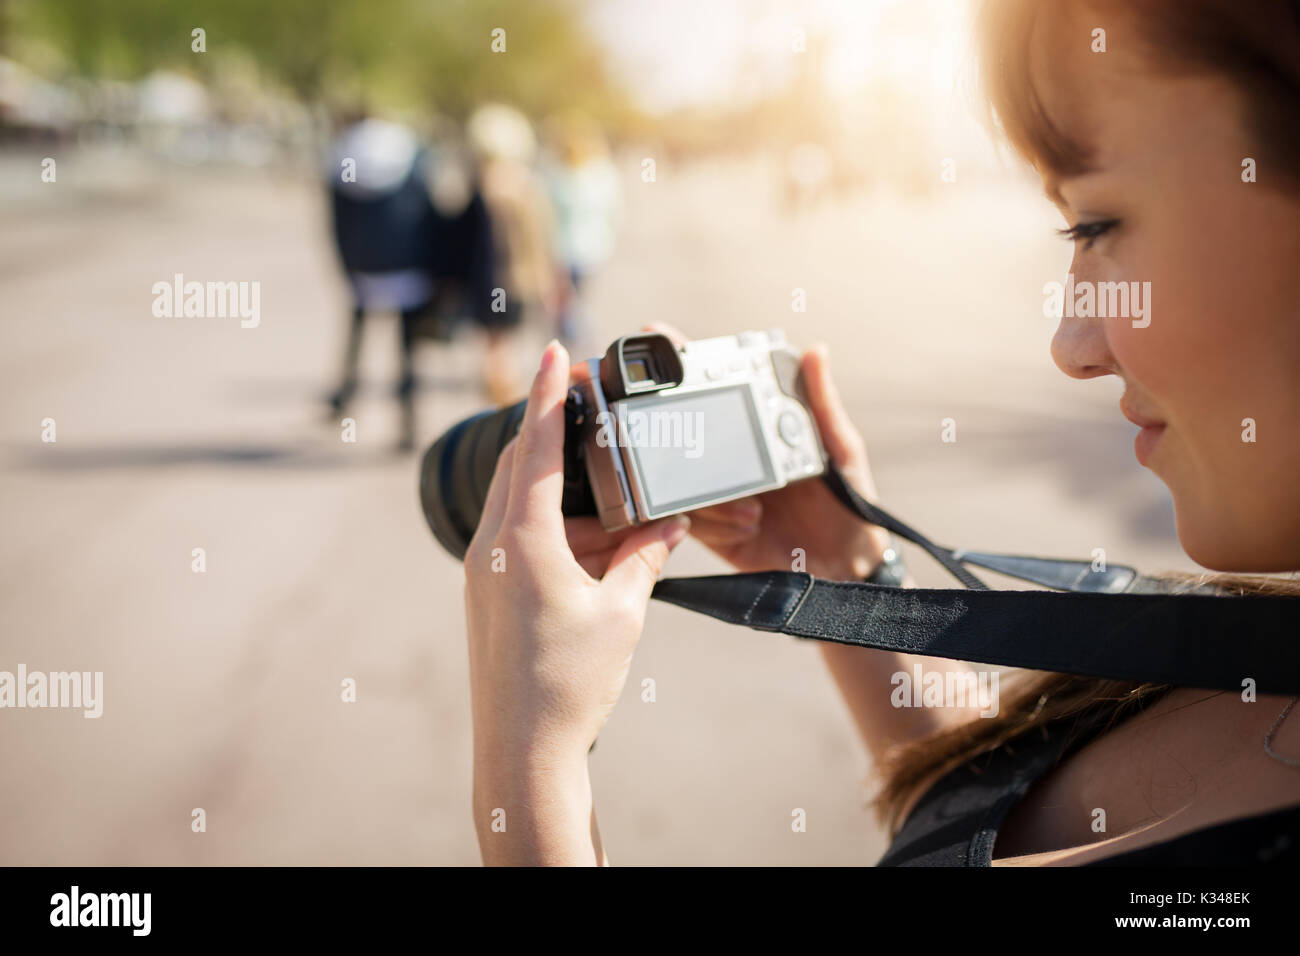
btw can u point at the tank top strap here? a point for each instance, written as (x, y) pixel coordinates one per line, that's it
(956, 822)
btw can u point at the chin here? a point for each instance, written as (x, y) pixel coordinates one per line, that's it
(1216, 542)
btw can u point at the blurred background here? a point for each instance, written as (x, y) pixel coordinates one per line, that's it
(377, 171)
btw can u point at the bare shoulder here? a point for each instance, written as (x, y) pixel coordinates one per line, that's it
(1192, 760)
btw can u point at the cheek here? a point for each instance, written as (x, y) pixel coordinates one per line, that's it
(1223, 346)
(1188, 358)
(1224, 338)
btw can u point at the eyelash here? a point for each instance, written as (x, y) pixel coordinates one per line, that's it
(1088, 231)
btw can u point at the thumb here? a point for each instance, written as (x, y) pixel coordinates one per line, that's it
(636, 564)
(843, 443)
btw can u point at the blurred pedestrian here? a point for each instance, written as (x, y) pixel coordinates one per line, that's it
(386, 230)
(514, 268)
(587, 197)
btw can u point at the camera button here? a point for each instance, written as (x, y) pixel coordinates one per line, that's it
(790, 427)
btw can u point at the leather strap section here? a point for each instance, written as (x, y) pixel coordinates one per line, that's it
(765, 600)
(1192, 640)
(1055, 572)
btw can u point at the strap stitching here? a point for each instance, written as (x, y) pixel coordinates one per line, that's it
(749, 614)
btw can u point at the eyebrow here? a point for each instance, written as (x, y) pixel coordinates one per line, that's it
(1057, 152)
(1052, 188)
(1055, 179)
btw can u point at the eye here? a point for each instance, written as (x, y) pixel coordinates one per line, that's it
(1088, 231)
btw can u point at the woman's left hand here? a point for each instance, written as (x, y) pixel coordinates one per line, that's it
(554, 607)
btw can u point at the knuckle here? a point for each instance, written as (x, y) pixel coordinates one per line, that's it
(650, 566)
(628, 612)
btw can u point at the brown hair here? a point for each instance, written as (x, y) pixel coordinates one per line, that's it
(1258, 46)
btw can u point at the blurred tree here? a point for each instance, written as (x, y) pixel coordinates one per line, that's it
(403, 53)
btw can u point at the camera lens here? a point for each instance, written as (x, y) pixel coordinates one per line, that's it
(457, 471)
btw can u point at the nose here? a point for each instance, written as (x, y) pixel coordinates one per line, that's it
(1080, 348)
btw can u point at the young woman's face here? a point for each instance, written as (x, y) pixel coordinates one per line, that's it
(1219, 361)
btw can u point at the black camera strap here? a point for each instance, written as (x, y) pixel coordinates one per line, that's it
(1097, 622)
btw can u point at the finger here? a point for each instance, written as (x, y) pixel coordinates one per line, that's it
(585, 534)
(843, 443)
(494, 507)
(742, 511)
(721, 534)
(638, 560)
(537, 484)
(663, 328)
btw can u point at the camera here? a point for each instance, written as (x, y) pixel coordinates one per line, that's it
(651, 430)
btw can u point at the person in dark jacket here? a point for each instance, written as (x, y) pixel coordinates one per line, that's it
(390, 239)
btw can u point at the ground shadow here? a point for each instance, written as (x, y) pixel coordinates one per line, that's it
(127, 455)
(258, 390)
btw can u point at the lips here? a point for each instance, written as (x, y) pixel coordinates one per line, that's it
(1137, 417)
(1151, 430)
(1144, 446)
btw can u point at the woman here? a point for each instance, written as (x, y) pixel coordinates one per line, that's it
(1143, 148)
(513, 269)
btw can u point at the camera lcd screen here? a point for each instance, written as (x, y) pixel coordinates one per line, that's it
(694, 448)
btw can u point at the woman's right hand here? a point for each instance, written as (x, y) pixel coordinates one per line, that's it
(769, 532)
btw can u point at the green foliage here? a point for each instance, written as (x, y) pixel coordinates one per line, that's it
(421, 54)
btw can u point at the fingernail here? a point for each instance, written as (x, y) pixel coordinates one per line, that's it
(549, 354)
(676, 530)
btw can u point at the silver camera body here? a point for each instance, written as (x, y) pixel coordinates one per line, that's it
(664, 429)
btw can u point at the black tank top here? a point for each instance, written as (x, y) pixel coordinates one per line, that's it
(957, 821)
